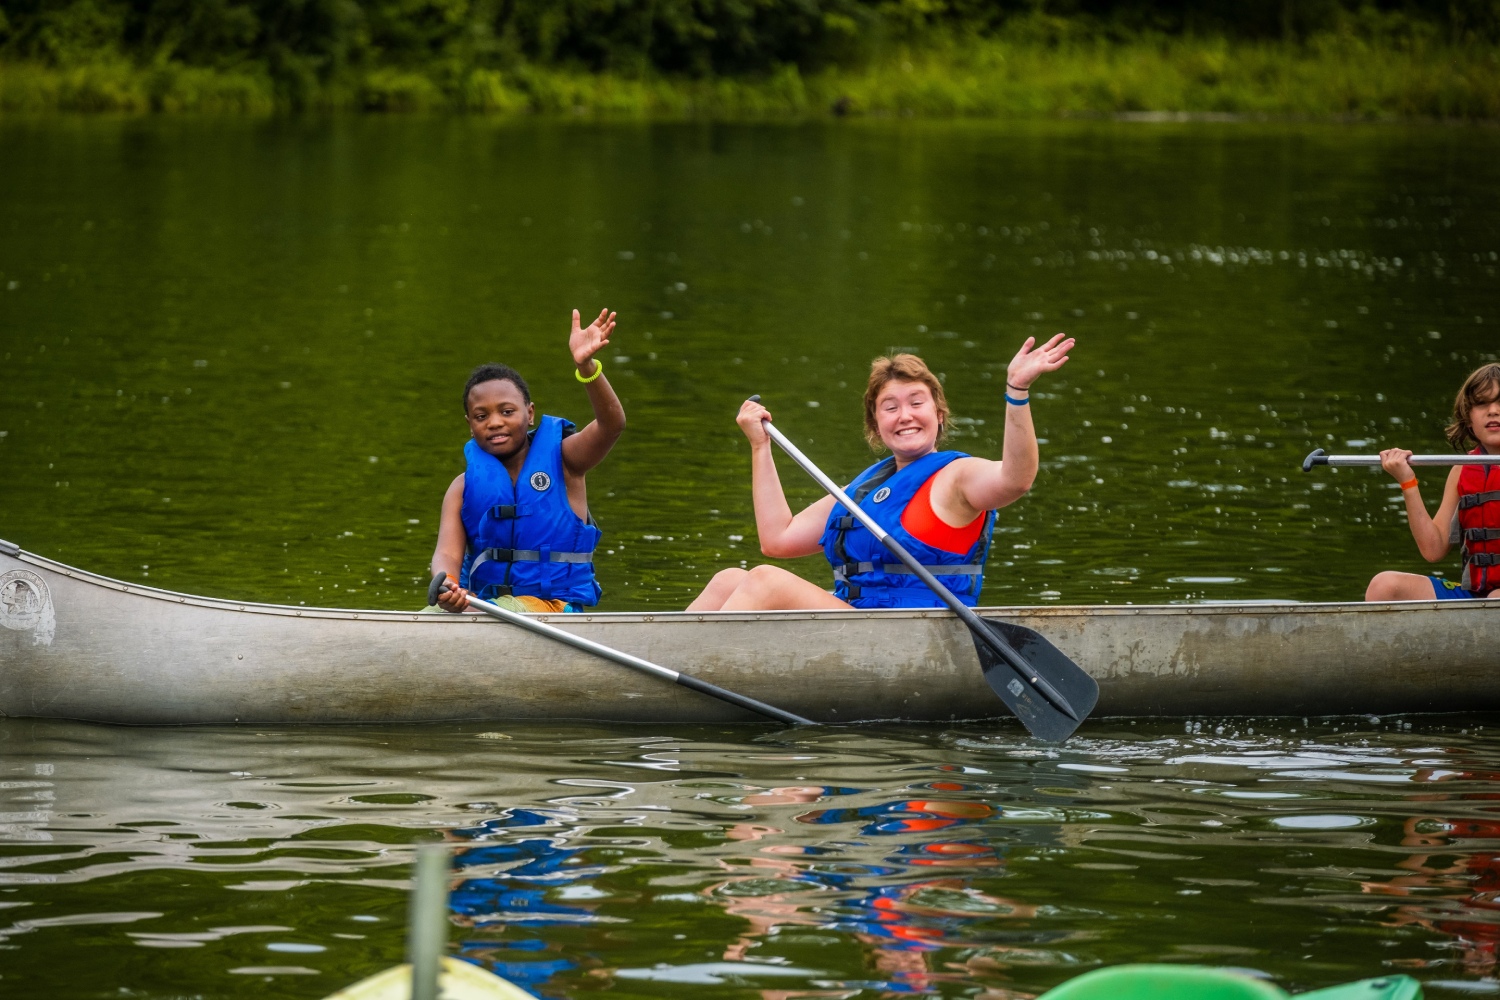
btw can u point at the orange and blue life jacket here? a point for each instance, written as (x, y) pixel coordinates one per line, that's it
(1479, 526)
(524, 538)
(868, 575)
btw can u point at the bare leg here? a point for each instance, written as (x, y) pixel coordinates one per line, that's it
(771, 588)
(1393, 586)
(718, 590)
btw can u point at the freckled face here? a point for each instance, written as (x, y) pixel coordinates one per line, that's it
(1484, 420)
(907, 419)
(498, 417)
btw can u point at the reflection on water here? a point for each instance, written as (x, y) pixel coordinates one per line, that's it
(693, 861)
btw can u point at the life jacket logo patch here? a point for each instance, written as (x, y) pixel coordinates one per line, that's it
(881, 494)
(541, 482)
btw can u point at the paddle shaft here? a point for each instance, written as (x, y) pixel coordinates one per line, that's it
(1318, 457)
(975, 623)
(635, 662)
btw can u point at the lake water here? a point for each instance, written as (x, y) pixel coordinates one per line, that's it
(692, 862)
(232, 353)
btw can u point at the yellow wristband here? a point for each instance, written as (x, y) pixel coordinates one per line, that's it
(597, 372)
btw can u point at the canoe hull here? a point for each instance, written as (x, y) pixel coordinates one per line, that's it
(80, 646)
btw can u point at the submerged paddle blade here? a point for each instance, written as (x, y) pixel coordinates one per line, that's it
(1041, 718)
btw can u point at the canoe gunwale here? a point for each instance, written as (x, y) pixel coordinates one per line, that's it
(853, 614)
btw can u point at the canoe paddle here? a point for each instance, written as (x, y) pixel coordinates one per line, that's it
(440, 583)
(1047, 691)
(1321, 457)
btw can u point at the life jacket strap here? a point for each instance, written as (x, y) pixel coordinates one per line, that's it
(527, 555)
(1475, 499)
(1483, 559)
(843, 572)
(1481, 534)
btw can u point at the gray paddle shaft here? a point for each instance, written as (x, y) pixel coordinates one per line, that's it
(1318, 457)
(975, 623)
(633, 662)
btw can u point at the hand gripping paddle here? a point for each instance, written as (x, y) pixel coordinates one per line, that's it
(1047, 691)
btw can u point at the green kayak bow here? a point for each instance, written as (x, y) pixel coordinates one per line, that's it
(1196, 982)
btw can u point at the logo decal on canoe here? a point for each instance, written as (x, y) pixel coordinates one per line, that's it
(26, 605)
(1014, 687)
(540, 482)
(881, 494)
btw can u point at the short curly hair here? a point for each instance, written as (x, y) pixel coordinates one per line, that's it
(1482, 385)
(901, 368)
(496, 373)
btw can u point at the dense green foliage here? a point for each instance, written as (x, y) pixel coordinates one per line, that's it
(668, 56)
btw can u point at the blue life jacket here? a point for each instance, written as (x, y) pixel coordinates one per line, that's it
(524, 538)
(867, 574)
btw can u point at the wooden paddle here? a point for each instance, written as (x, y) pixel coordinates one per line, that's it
(1321, 457)
(1047, 691)
(440, 583)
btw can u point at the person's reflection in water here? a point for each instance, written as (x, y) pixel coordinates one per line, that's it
(516, 898)
(1461, 854)
(900, 922)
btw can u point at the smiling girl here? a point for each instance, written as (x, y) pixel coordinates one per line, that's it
(939, 504)
(1469, 512)
(516, 527)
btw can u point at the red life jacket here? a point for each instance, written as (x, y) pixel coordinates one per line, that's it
(1479, 522)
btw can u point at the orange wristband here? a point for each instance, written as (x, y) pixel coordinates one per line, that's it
(1409, 484)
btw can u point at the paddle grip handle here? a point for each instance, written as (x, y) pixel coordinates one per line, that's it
(435, 588)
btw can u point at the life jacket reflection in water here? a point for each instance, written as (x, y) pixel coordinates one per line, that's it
(868, 575)
(1479, 524)
(524, 538)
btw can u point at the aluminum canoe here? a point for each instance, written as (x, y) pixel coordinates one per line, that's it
(76, 645)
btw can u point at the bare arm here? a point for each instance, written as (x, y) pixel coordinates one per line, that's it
(970, 486)
(452, 541)
(586, 449)
(1431, 532)
(782, 535)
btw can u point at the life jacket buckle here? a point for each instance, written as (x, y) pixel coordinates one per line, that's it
(503, 511)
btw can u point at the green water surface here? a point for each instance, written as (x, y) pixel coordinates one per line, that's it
(233, 351)
(231, 354)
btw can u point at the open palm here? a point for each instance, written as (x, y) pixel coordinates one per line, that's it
(1030, 362)
(585, 342)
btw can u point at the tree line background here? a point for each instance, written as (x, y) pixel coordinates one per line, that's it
(300, 50)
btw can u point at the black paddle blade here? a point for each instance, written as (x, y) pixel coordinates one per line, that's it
(1041, 718)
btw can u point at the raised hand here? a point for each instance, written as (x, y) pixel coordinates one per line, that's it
(1030, 364)
(1394, 461)
(585, 342)
(749, 418)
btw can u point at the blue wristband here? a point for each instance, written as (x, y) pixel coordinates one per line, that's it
(1017, 402)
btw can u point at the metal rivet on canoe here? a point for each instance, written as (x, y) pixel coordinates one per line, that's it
(649, 618)
(242, 609)
(239, 656)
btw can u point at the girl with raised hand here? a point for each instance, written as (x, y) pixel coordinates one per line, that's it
(939, 504)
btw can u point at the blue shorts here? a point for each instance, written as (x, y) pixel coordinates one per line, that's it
(1447, 590)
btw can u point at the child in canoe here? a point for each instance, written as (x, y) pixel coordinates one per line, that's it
(1469, 512)
(939, 504)
(515, 527)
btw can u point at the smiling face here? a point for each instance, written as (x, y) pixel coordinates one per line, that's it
(907, 420)
(1484, 418)
(499, 417)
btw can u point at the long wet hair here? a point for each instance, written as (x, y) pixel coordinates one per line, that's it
(496, 373)
(901, 368)
(1480, 387)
